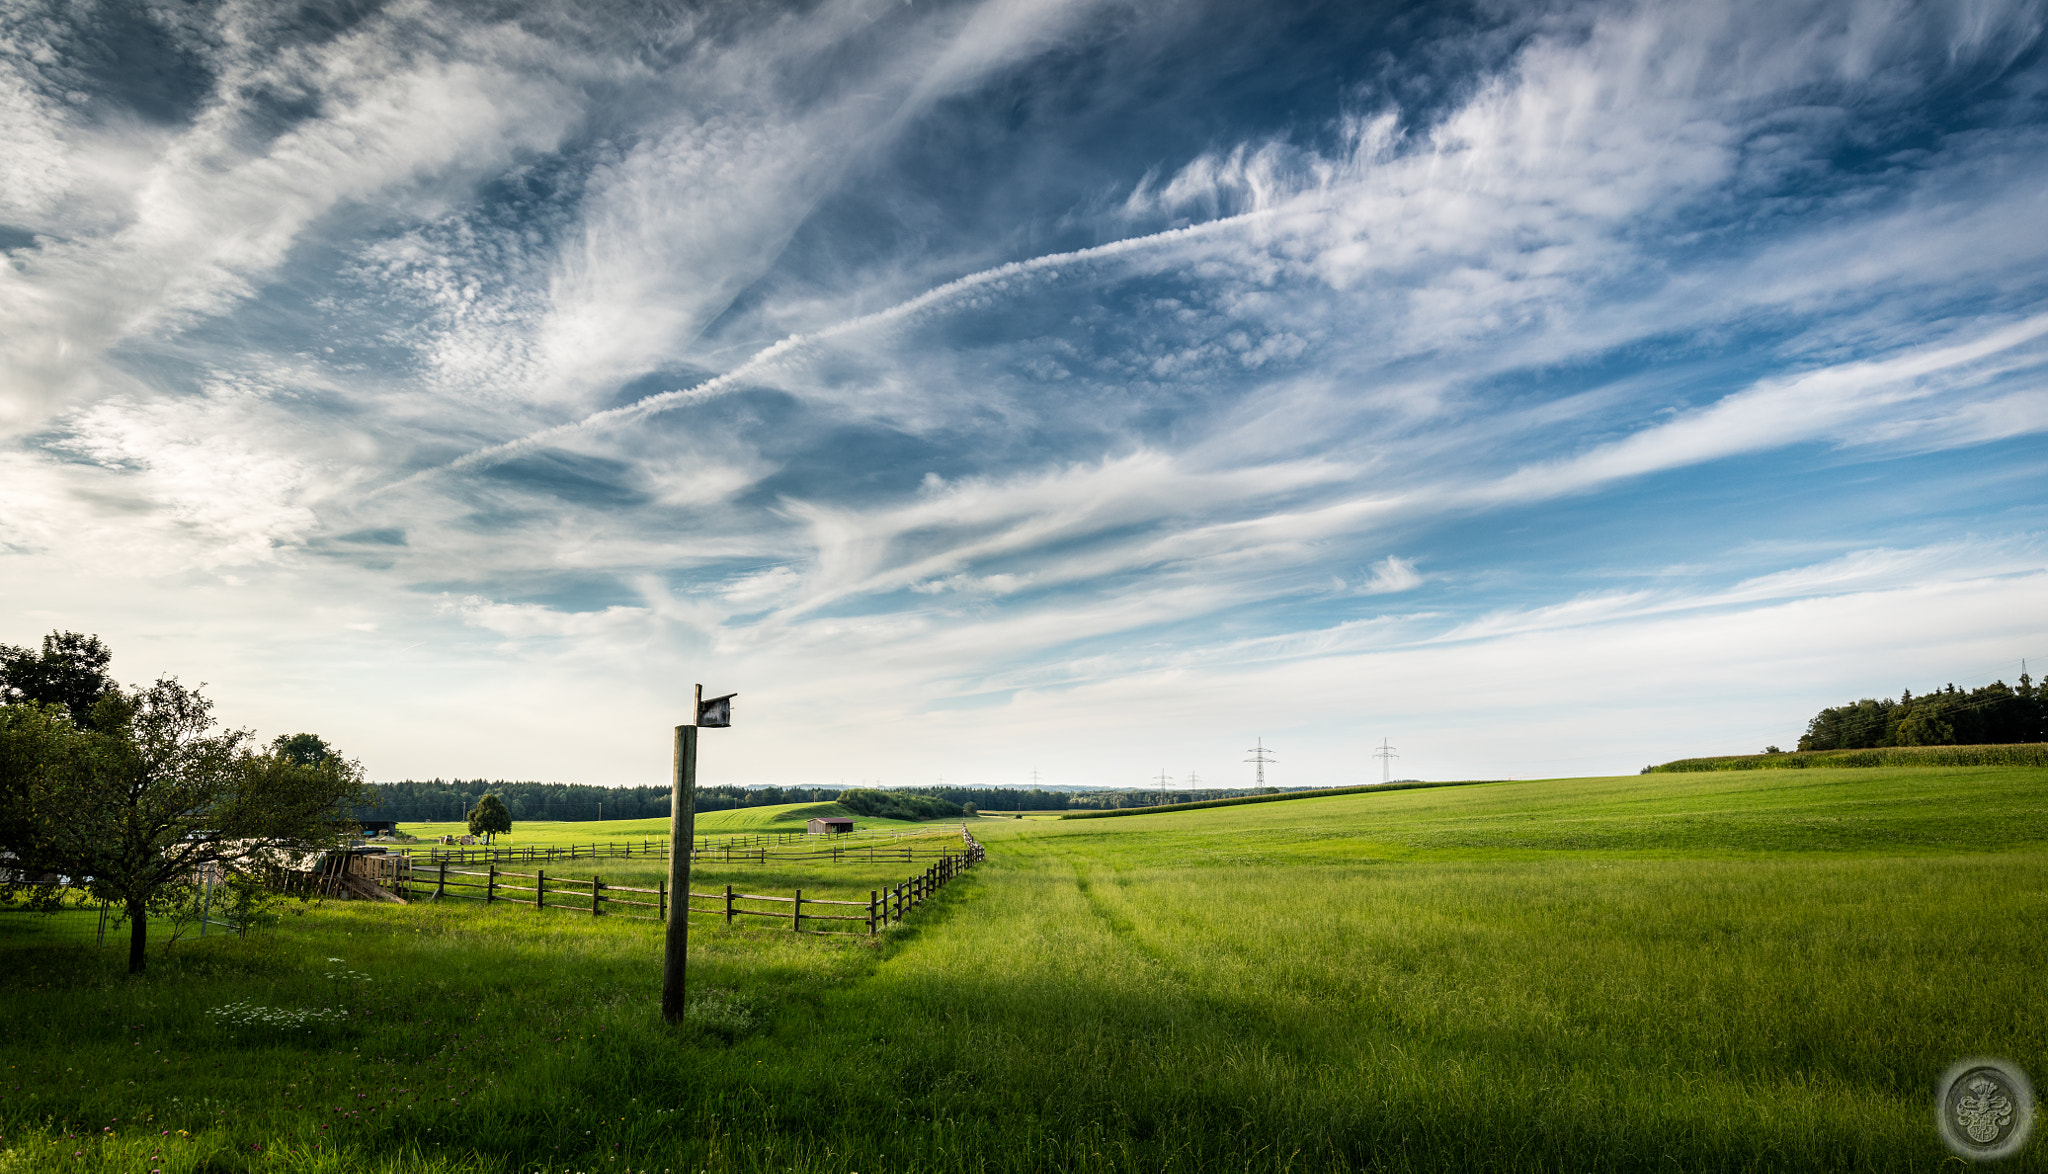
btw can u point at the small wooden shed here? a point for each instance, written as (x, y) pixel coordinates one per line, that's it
(829, 825)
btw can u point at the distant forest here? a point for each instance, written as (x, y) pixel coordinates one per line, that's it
(448, 800)
(1993, 714)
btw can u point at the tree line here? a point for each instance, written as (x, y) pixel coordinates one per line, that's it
(446, 800)
(1990, 715)
(132, 793)
(451, 800)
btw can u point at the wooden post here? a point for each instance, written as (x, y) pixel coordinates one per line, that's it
(661, 902)
(682, 835)
(540, 888)
(491, 883)
(728, 905)
(596, 888)
(441, 886)
(871, 912)
(796, 918)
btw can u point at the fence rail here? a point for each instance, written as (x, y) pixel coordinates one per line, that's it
(883, 907)
(871, 846)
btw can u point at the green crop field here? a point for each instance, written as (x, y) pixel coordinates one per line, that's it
(784, 817)
(1712, 971)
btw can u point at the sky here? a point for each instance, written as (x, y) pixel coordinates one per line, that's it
(1093, 389)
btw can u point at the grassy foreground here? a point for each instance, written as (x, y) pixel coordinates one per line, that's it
(1701, 971)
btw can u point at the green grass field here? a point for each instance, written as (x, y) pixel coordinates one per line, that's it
(1714, 971)
(783, 817)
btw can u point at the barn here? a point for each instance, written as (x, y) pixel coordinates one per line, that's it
(829, 825)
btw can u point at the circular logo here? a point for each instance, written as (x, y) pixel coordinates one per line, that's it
(1985, 1109)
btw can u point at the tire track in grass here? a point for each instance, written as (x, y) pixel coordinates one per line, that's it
(1124, 928)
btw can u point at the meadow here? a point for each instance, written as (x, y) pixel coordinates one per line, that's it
(1726, 970)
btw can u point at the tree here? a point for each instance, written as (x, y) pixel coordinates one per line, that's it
(489, 817)
(71, 671)
(304, 749)
(146, 793)
(39, 748)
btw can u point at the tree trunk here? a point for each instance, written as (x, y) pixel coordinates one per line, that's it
(138, 936)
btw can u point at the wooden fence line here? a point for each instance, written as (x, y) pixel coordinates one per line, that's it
(882, 908)
(762, 848)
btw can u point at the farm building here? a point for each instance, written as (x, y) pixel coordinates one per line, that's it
(829, 825)
(378, 827)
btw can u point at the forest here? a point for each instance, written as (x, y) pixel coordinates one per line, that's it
(1993, 714)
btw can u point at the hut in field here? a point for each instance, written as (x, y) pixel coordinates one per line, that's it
(829, 825)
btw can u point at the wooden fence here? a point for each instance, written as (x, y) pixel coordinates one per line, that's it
(882, 846)
(594, 896)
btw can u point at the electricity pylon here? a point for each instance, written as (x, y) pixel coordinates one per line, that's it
(1262, 756)
(1386, 756)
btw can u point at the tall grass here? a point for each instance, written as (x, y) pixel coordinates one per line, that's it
(1696, 972)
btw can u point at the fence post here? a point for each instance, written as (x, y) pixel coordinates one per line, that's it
(661, 902)
(441, 885)
(596, 887)
(871, 912)
(728, 905)
(796, 918)
(491, 884)
(540, 888)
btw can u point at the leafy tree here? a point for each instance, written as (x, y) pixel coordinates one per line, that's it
(148, 792)
(304, 749)
(489, 817)
(71, 671)
(40, 750)
(1994, 713)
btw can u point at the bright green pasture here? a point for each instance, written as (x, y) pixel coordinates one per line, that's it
(1688, 972)
(781, 817)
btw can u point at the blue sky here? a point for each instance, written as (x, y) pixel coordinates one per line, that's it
(982, 388)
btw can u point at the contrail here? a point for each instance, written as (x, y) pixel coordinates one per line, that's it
(768, 356)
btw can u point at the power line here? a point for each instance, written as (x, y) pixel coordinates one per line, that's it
(1163, 780)
(1262, 756)
(1386, 756)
